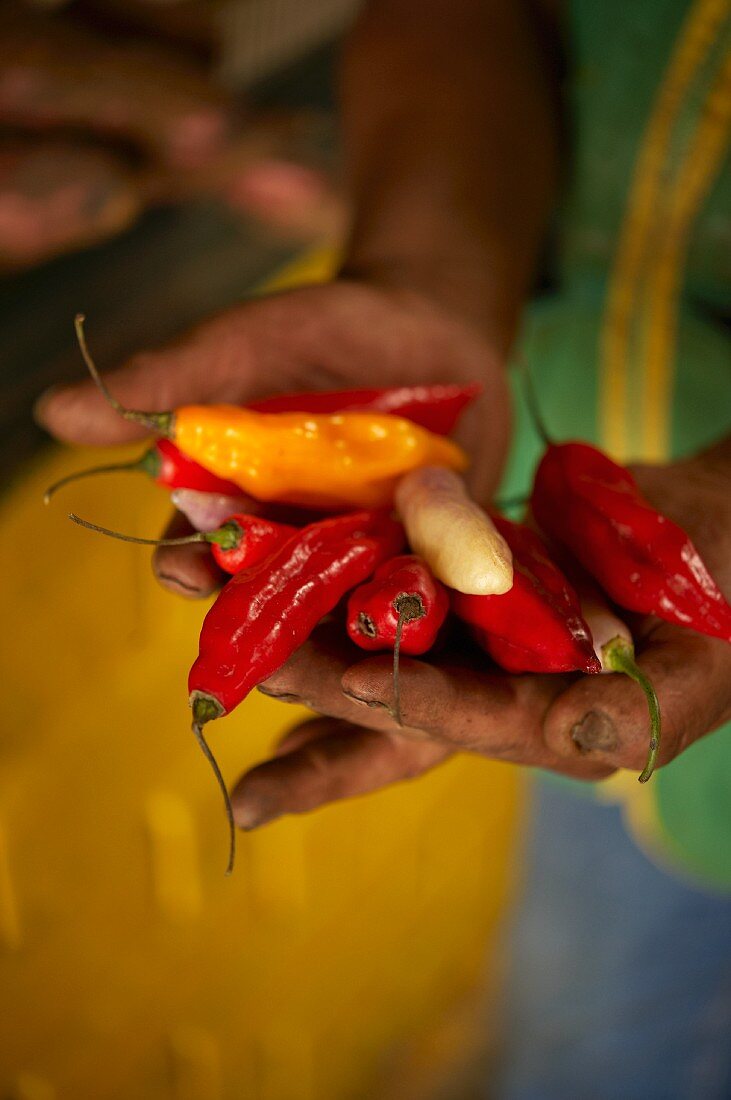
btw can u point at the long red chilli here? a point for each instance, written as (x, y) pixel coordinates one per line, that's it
(264, 614)
(536, 626)
(435, 407)
(642, 560)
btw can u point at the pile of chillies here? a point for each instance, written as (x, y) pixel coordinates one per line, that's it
(402, 545)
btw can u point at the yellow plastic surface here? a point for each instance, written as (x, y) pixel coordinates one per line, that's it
(130, 967)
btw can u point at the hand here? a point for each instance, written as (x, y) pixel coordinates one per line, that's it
(583, 727)
(99, 127)
(328, 337)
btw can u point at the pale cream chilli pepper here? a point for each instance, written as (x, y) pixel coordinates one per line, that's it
(452, 533)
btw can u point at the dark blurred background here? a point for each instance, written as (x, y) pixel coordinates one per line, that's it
(99, 212)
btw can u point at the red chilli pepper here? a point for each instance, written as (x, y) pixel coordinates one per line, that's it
(266, 613)
(165, 465)
(436, 408)
(402, 608)
(239, 543)
(169, 467)
(537, 625)
(251, 540)
(643, 561)
(404, 590)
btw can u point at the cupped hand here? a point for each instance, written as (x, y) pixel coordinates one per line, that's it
(344, 334)
(584, 727)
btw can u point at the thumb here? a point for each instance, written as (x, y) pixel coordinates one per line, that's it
(606, 716)
(213, 363)
(325, 760)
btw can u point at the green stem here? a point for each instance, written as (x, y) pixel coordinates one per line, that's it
(160, 422)
(206, 709)
(199, 536)
(143, 464)
(619, 655)
(228, 535)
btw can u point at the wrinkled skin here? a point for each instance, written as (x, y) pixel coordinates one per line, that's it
(335, 336)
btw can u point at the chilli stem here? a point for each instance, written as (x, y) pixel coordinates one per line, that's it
(410, 607)
(507, 504)
(157, 422)
(619, 656)
(199, 536)
(198, 732)
(111, 468)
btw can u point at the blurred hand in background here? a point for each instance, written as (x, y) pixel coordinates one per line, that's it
(97, 125)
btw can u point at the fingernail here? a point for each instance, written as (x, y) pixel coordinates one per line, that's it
(41, 403)
(248, 818)
(282, 696)
(596, 730)
(372, 703)
(181, 585)
(256, 823)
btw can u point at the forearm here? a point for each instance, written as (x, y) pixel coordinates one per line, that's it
(450, 126)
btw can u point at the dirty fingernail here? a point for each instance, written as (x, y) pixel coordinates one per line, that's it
(177, 584)
(282, 696)
(372, 703)
(250, 818)
(595, 731)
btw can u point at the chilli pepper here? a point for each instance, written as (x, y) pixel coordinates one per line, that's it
(165, 465)
(536, 626)
(266, 613)
(402, 608)
(436, 408)
(642, 560)
(240, 542)
(312, 459)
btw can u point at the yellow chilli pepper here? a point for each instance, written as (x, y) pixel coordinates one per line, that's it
(334, 460)
(349, 458)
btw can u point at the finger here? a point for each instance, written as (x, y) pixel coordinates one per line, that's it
(312, 678)
(448, 701)
(188, 571)
(56, 74)
(55, 197)
(606, 717)
(302, 734)
(213, 363)
(342, 762)
(206, 511)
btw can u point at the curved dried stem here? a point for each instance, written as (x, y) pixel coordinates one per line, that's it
(92, 471)
(157, 422)
(184, 540)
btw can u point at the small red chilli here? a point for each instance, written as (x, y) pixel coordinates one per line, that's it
(402, 608)
(240, 542)
(403, 593)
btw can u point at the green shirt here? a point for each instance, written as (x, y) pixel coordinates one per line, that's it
(633, 350)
